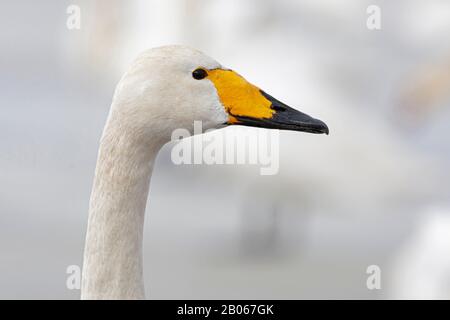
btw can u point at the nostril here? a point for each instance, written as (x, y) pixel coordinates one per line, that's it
(278, 108)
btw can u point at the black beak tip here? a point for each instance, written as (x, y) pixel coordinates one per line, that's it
(316, 126)
(325, 129)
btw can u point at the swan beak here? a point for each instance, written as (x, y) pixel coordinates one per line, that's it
(248, 105)
(285, 118)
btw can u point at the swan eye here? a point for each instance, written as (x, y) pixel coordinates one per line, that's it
(199, 74)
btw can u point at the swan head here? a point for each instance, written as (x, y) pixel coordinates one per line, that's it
(170, 87)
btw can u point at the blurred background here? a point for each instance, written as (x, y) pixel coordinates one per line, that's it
(373, 192)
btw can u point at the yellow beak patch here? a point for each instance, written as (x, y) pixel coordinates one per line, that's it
(238, 96)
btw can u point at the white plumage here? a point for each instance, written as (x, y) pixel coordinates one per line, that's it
(142, 116)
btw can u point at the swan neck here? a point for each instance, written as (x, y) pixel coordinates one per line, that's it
(112, 267)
